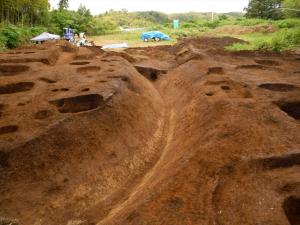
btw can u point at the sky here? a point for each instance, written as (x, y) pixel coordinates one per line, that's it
(166, 6)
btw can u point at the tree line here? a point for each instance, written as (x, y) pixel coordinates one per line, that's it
(37, 12)
(27, 12)
(273, 9)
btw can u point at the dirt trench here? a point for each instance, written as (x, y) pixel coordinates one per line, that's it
(94, 139)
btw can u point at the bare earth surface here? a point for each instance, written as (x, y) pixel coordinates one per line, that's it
(168, 135)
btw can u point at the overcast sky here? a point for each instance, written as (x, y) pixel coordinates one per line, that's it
(167, 6)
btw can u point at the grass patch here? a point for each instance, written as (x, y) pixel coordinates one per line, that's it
(281, 40)
(287, 23)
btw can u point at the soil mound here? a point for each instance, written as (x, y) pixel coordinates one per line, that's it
(206, 43)
(230, 29)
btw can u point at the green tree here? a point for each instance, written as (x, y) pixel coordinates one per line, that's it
(222, 17)
(63, 5)
(98, 26)
(82, 19)
(79, 21)
(155, 17)
(294, 5)
(264, 9)
(25, 12)
(61, 19)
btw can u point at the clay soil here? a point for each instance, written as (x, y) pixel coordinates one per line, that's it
(171, 135)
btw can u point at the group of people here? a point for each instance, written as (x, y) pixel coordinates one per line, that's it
(80, 40)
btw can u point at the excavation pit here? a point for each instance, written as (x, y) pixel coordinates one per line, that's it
(251, 66)
(291, 207)
(291, 108)
(11, 70)
(79, 63)
(16, 87)
(8, 129)
(278, 87)
(215, 70)
(88, 69)
(267, 62)
(78, 103)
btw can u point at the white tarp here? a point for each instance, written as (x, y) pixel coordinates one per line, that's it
(112, 46)
(130, 29)
(45, 36)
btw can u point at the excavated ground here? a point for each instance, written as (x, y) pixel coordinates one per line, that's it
(171, 135)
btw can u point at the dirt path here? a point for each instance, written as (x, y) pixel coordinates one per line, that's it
(154, 144)
(144, 188)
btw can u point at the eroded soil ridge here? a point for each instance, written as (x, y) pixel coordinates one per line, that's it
(184, 135)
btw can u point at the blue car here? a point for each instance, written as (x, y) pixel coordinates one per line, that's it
(154, 35)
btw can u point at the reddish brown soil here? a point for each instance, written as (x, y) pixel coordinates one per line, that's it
(235, 29)
(172, 135)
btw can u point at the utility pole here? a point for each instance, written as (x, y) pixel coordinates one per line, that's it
(212, 12)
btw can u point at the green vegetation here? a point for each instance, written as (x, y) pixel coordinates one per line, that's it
(80, 20)
(264, 9)
(63, 5)
(266, 25)
(283, 35)
(283, 39)
(292, 4)
(287, 35)
(12, 36)
(29, 12)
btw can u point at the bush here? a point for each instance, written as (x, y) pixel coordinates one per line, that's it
(251, 22)
(12, 36)
(282, 40)
(2, 42)
(288, 23)
(193, 24)
(181, 33)
(239, 47)
(156, 27)
(211, 24)
(99, 27)
(190, 24)
(223, 17)
(285, 39)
